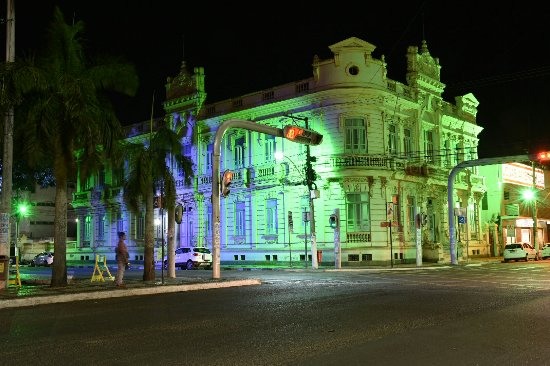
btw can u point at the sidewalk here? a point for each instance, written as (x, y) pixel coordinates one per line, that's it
(36, 290)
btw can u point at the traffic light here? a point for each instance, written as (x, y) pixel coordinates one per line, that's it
(543, 156)
(227, 177)
(302, 135)
(179, 214)
(333, 221)
(311, 176)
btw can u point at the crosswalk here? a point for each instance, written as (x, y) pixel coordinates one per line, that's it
(519, 276)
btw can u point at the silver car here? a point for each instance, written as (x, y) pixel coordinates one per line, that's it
(42, 259)
(519, 251)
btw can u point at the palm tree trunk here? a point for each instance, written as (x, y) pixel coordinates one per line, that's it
(59, 270)
(149, 249)
(171, 241)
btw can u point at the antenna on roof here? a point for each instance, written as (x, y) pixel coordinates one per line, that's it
(423, 32)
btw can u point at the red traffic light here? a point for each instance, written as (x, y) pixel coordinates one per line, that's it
(302, 135)
(542, 156)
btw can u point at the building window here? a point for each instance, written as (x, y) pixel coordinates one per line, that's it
(87, 230)
(101, 226)
(140, 226)
(448, 153)
(208, 220)
(468, 152)
(356, 136)
(240, 227)
(459, 153)
(407, 142)
(271, 216)
(119, 222)
(429, 145)
(188, 224)
(357, 212)
(472, 221)
(270, 148)
(238, 153)
(411, 219)
(392, 140)
(209, 157)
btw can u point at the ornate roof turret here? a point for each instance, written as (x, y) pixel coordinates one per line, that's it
(185, 89)
(423, 70)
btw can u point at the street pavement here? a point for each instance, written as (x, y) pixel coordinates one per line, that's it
(36, 290)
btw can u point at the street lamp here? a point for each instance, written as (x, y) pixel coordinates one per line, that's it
(22, 209)
(530, 195)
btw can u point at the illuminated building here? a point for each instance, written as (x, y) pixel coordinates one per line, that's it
(384, 143)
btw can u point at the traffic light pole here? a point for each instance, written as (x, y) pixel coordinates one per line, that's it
(450, 191)
(299, 136)
(234, 123)
(534, 211)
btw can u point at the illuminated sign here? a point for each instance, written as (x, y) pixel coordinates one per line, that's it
(522, 175)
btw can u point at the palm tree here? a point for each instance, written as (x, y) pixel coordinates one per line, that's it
(72, 114)
(150, 171)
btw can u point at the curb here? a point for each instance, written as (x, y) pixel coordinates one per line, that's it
(161, 289)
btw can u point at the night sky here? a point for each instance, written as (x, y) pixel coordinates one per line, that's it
(498, 53)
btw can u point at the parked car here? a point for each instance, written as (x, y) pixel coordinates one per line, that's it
(189, 258)
(519, 251)
(42, 259)
(545, 251)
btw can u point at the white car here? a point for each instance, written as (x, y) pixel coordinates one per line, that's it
(545, 251)
(519, 251)
(191, 257)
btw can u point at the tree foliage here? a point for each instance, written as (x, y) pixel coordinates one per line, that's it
(67, 121)
(150, 166)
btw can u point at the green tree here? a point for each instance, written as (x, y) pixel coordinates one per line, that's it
(150, 166)
(71, 112)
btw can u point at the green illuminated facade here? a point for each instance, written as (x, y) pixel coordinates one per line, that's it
(387, 150)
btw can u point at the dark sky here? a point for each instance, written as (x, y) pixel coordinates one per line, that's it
(499, 53)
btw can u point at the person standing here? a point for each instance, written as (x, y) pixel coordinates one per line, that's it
(122, 257)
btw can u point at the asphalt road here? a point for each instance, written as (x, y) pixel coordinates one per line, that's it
(493, 314)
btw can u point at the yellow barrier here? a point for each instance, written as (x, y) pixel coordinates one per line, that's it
(98, 272)
(17, 280)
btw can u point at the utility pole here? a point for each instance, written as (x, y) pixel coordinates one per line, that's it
(7, 162)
